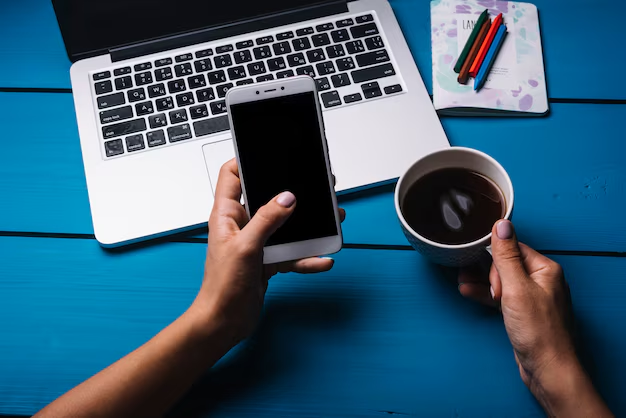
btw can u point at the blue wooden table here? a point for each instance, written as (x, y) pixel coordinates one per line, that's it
(384, 332)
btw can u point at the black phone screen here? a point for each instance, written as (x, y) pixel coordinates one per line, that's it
(280, 149)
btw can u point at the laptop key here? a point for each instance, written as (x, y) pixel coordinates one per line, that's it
(217, 77)
(335, 51)
(178, 116)
(157, 121)
(296, 59)
(163, 62)
(143, 66)
(265, 40)
(157, 90)
(185, 99)
(182, 70)
(196, 81)
(218, 107)
(242, 56)
(362, 31)
(371, 58)
(244, 44)
(345, 22)
(113, 148)
(276, 64)
(244, 82)
(281, 48)
(340, 35)
(266, 77)
(224, 48)
(331, 99)
(285, 74)
(351, 98)
(179, 133)
(256, 68)
(211, 126)
(301, 44)
(320, 39)
(124, 128)
(364, 19)
(203, 65)
(372, 73)
(101, 75)
(135, 143)
(204, 53)
(308, 70)
(284, 35)
(235, 73)
(340, 80)
(375, 42)
(223, 89)
(184, 57)
(304, 31)
(199, 112)
(155, 138)
(354, 47)
(143, 78)
(122, 71)
(222, 61)
(322, 84)
(262, 52)
(165, 103)
(345, 64)
(136, 95)
(324, 27)
(176, 86)
(123, 83)
(325, 68)
(205, 95)
(162, 74)
(103, 87)
(396, 88)
(371, 90)
(116, 115)
(111, 100)
(316, 55)
(144, 108)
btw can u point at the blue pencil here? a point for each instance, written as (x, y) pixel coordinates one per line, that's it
(490, 58)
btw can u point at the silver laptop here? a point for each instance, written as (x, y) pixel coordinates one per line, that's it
(149, 80)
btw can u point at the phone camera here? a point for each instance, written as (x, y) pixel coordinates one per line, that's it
(282, 88)
(257, 92)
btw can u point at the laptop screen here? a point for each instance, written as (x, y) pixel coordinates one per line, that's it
(98, 25)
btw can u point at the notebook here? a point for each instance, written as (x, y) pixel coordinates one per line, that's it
(516, 85)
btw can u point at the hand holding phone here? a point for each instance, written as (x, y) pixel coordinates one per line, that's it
(279, 141)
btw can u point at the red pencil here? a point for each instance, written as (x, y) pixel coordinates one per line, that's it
(486, 44)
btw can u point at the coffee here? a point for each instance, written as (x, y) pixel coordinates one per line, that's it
(453, 206)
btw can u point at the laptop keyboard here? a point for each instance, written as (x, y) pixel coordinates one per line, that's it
(152, 104)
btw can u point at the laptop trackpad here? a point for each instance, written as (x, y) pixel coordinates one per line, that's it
(215, 155)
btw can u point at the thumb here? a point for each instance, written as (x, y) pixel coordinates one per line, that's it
(270, 217)
(507, 257)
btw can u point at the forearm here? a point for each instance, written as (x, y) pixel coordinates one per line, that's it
(567, 391)
(148, 381)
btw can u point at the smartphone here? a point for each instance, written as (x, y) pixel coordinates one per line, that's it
(280, 145)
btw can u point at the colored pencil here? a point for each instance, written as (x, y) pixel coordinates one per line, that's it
(470, 41)
(480, 57)
(464, 75)
(481, 78)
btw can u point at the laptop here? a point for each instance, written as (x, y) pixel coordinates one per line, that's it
(149, 79)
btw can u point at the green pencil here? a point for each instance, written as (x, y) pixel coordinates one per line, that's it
(470, 41)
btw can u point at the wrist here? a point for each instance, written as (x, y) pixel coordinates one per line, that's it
(209, 328)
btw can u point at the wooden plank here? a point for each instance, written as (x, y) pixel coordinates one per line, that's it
(384, 331)
(32, 52)
(567, 171)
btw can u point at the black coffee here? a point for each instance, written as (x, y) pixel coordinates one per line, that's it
(453, 206)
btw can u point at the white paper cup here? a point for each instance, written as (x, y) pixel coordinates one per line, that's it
(456, 157)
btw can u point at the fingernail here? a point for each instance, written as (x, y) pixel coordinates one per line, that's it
(504, 230)
(327, 258)
(493, 294)
(459, 286)
(286, 199)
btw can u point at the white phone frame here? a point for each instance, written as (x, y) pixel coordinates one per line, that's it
(269, 90)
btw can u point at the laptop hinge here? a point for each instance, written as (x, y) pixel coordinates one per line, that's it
(231, 29)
